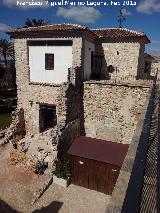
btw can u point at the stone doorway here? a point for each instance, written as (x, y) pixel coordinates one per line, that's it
(47, 117)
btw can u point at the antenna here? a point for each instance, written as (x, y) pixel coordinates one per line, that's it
(121, 17)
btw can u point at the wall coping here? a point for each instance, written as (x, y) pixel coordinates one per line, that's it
(136, 83)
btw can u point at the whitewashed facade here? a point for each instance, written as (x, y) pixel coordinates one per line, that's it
(62, 62)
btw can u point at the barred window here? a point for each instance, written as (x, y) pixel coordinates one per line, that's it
(49, 61)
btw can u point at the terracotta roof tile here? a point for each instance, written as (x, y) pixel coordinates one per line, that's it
(110, 33)
(119, 33)
(154, 58)
(53, 27)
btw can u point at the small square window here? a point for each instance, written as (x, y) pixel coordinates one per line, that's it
(49, 61)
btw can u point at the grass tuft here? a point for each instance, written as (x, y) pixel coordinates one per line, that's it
(5, 120)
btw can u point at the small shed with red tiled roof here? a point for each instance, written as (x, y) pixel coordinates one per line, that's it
(96, 163)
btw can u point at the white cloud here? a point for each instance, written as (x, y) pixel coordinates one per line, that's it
(4, 27)
(154, 51)
(148, 6)
(9, 3)
(81, 14)
(23, 4)
(155, 42)
(126, 12)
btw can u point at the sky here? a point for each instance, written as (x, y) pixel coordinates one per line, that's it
(143, 15)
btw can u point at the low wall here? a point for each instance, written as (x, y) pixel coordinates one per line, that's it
(111, 111)
(127, 192)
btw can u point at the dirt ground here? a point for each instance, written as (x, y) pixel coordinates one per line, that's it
(18, 185)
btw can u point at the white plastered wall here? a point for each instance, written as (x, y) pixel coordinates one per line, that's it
(62, 61)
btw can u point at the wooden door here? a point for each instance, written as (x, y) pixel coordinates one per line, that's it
(94, 175)
(96, 65)
(102, 176)
(80, 171)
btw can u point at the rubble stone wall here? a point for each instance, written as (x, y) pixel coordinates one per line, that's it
(155, 68)
(30, 95)
(126, 58)
(131, 177)
(111, 111)
(152, 68)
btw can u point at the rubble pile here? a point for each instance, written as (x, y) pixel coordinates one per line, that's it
(17, 156)
(40, 161)
(37, 162)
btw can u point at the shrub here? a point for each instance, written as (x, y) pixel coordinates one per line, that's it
(62, 168)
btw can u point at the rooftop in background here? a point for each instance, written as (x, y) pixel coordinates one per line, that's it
(49, 27)
(100, 150)
(152, 58)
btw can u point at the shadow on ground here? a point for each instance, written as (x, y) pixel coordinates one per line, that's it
(53, 207)
(5, 208)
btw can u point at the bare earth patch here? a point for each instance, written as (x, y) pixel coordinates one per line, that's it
(18, 185)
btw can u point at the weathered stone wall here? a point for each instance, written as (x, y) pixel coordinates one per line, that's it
(126, 58)
(131, 177)
(111, 111)
(30, 95)
(155, 69)
(152, 68)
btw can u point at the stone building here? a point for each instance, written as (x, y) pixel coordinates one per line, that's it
(124, 50)
(74, 81)
(53, 61)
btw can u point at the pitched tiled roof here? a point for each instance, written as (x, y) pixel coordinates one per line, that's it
(110, 33)
(53, 27)
(156, 58)
(119, 33)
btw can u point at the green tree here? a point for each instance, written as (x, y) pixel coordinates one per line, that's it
(6, 50)
(34, 23)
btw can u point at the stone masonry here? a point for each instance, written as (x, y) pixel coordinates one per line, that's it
(105, 109)
(30, 95)
(111, 111)
(126, 58)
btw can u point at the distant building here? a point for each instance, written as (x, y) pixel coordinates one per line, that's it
(152, 65)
